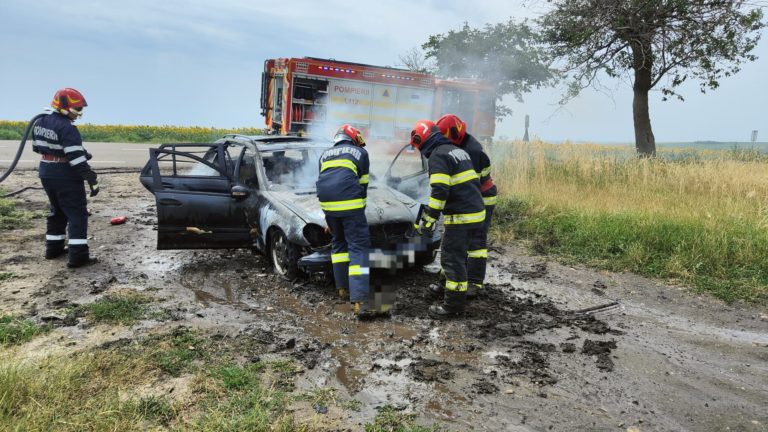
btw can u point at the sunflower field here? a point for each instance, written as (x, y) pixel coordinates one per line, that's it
(13, 130)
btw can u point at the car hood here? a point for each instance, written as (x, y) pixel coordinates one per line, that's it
(384, 205)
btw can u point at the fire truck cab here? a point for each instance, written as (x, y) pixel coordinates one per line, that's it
(315, 96)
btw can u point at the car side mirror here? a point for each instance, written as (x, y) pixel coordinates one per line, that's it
(239, 191)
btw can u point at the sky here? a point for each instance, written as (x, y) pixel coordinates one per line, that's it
(199, 63)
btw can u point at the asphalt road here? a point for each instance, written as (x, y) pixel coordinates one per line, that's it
(119, 155)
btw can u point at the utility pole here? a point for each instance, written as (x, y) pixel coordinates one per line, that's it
(754, 136)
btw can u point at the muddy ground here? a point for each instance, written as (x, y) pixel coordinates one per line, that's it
(525, 357)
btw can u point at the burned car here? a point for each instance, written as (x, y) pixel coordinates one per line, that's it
(258, 192)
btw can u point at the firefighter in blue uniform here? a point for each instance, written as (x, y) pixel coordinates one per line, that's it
(342, 189)
(63, 168)
(455, 192)
(453, 128)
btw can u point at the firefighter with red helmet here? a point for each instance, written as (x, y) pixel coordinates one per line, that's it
(455, 192)
(342, 188)
(63, 168)
(453, 128)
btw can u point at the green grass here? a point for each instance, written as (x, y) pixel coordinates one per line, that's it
(106, 390)
(729, 261)
(14, 330)
(12, 130)
(125, 308)
(6, 276)
(390, 419)
(10, 216)
(176, 355)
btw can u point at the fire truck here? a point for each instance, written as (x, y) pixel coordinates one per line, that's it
(315, 96)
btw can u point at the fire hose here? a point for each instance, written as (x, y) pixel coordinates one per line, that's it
(21, 147)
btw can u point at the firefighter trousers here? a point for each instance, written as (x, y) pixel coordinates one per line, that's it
(477, 255)
(349, 249)
(69, 215)
(453, 259)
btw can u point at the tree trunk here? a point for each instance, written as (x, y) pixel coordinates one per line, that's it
(645, 142)
(642, 59)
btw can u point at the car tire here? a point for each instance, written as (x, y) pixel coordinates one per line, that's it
(284, 255)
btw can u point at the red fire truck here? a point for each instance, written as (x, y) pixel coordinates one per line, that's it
(315, 96)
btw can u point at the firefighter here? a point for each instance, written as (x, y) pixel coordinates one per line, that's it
(342, 189)
(456, 194)
(63, 168)
(453, 128)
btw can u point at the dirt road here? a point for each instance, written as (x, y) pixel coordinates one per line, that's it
(522, 359)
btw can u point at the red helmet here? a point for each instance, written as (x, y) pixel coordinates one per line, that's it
(452, 127)
(69, 102)
(421, 131)
(349, 133)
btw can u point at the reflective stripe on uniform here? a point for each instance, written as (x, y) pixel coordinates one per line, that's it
(78, 241)
(364, 179)
(428, 218)
(339, 163)
(340, 257)
(479, 253)
(485, 172)
(465, 218)
(455, 286)
(71, 149)
(489, 201)
(76, 161)
(48, 145)
(343, 205)
(55, 237)
(463, 177)
(440, 179)
(436, 203)
(356, 270)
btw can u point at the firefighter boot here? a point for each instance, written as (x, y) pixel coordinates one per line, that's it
(343, 294)
(452, 305)
(438, 289)
(83, 263)
(362, 311)
(474, 290)
(53, 253)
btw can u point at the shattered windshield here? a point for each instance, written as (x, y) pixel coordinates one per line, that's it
(291, 169)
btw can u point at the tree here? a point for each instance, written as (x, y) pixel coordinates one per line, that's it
(414, 60)
(508, 55)
(655, 42)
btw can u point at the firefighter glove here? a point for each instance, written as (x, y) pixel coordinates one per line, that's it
(94, 189)
(426, 224)
(88, 156)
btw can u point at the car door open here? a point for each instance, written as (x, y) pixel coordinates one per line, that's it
(409, 174)
(199, 206)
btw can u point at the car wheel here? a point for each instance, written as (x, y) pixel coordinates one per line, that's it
(285, 255)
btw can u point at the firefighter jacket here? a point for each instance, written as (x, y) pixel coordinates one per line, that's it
(455, 185)
(482, 164)
(55, 135)
(342, 186)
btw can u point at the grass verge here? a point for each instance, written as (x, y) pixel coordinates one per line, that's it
(696, 219)
(14, 330)
(116, 388)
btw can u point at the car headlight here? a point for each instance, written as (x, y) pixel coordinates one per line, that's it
(316, 235)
